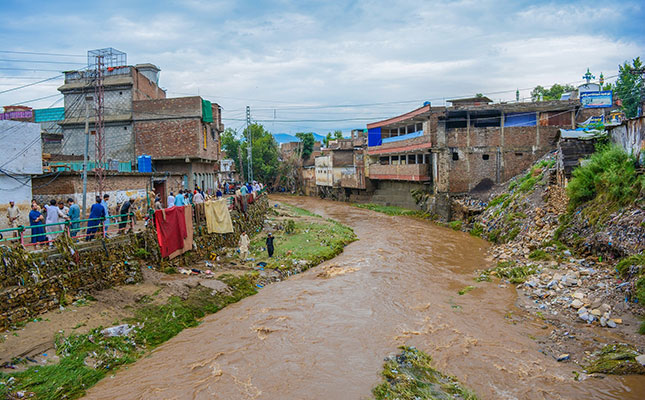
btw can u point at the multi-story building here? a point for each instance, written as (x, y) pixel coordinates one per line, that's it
(469, 146)
(340, 169)
(122, 85)
(182, 136)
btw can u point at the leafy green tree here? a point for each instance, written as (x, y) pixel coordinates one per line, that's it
(265, 152)
(553, 93)
(307, 140)
(231, 145)
(338, 134)
(630, 86)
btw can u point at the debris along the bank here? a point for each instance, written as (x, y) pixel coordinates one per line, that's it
(617, 359)
(410, 376)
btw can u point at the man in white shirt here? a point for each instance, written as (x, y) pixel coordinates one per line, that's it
(171, 200)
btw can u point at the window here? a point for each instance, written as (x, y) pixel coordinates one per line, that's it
(125, 128)
(519, 154)
(412, 158)
(419, 126)
(455, 156)
(485, 156)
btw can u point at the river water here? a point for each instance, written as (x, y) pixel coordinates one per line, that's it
(311, 337)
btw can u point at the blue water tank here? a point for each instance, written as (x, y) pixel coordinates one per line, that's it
(144, 163)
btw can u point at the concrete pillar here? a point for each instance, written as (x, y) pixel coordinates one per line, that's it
(467, 128)
(537, 130)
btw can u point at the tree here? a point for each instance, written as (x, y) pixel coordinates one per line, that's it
(338, 134)
(265, 152)
(307, 140)
(231, 145)
(630, 86)
(553, 93)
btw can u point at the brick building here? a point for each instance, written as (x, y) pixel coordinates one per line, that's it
(469, 146)
(182, 135)
(341, 167)
(123, 85)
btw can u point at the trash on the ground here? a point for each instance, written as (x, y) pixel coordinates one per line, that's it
(119, 330)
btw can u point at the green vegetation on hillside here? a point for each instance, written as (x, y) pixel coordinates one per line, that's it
(609, 177)
(392, 210)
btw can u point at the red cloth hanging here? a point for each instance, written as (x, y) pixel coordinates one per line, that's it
(171, 229)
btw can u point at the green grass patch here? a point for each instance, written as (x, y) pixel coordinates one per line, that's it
(617, 359)
(498, 200)
(313, 242)
(455, 225)
(465, 290)
(508, 270)
(632, 265)
(410, 376)
(477, 230)
(540, 255)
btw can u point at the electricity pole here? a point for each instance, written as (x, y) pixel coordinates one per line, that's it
(249, 145)
(87, 145)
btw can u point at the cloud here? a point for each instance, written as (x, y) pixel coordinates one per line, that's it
(273, 55)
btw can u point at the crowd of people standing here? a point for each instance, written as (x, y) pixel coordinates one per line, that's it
(46, 221)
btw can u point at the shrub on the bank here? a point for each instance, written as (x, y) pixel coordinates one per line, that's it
(477, 230)
(455, 225)
(609, 173)
(539, 255)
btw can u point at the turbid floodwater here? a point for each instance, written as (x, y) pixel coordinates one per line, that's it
(324, 336)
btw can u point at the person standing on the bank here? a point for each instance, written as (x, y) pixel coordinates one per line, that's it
(170, 200)
(126, 215)
(13, 214)
(269, 242)
(244, 246)
(97, 216)
(36, 219)
(74, 216)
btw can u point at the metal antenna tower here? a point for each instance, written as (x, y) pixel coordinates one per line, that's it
(102, 62)
(249, 145)
(99, 138)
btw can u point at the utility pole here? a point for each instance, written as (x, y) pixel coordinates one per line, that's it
(87, 147)
(249, 144)
(240, 159)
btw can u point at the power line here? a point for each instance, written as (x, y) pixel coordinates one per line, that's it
(41, 62)
(36, 99)
(41, 54)
(31, 84)
(29, 69)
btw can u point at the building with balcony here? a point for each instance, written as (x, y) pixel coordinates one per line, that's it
(466, 147)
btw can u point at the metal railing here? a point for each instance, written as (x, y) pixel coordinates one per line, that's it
(75, 229)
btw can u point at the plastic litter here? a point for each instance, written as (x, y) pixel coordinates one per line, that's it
(119, 330)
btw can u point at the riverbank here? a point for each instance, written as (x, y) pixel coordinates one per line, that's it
(78, 352)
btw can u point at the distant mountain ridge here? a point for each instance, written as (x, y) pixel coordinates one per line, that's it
(286, 138)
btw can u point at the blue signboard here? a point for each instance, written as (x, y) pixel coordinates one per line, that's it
(602, 99)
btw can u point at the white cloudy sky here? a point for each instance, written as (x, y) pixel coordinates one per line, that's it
(322, 65)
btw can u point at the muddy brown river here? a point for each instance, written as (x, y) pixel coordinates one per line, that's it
(315, 338)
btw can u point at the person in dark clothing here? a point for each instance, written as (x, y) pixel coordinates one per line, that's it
(97, 216)
(125, 209)
(269, 242)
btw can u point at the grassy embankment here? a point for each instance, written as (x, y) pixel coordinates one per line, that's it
(85, 359)
(306, 240)
(410, 376)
